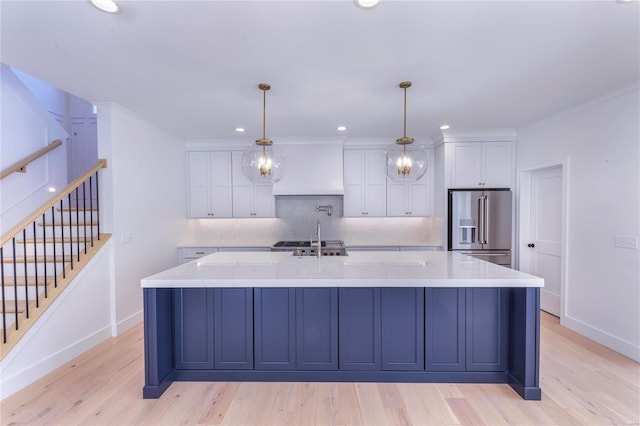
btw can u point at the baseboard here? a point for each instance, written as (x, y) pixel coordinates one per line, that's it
(612, 342)
(130, 321)
(20, 379)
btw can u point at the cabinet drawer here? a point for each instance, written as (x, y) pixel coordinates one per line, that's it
(196, 252)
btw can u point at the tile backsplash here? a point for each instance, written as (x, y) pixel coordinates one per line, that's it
(296, 220)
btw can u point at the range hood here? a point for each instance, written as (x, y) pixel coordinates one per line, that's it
(311, 169)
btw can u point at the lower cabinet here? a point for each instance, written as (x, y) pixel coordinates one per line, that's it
(317, 328)
(466, 329)
(381, 328)
(233, 328)
(351, 329)
(193, 328)
(359, 319)
(274, 328)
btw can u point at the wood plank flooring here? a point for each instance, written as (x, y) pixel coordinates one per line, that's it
(582, 383)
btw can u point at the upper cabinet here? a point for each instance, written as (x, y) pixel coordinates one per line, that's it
(480, 164)
(365, 183)
(209, 184)
(410, 199)
(250, 200)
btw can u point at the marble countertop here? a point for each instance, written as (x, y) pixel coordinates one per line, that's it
(358, 269)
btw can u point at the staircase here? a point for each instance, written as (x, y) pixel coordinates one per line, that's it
(42, 254)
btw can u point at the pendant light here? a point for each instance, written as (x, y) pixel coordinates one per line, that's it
(405, 162)
(261, 163)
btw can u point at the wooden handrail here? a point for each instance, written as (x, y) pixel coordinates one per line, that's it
(7, 236)
(22, 164)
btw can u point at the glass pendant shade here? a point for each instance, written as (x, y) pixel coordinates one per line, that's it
(262, 163)
(406, 162)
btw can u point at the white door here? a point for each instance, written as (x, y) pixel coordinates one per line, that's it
(545, 236)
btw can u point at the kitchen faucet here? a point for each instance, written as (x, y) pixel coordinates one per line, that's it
(317, 244)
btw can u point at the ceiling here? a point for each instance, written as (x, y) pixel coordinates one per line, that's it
(192, 68)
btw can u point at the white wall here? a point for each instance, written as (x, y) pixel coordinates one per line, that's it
(26, 127)
(601, 142)
(143, 204)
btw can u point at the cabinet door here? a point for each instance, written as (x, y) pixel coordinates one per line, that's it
(317, 328)
(221, 204)
(263, 201)
(375, 183)
(274, 328)
(353, 183)
(242, 200)
(199, 181)
(486, 329)
(419, 199)
(359, 328)
(397, 199)
(250, 200)
(466, 165)
(233, 328)
(496, 164)
(402, 335)
(193, 328)
(445, 329)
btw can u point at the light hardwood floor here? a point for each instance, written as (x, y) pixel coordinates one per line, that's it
(582, 383)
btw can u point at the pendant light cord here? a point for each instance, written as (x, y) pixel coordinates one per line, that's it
(405, 113)
(264, 113)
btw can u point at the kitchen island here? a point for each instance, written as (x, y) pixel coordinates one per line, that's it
(368, 316)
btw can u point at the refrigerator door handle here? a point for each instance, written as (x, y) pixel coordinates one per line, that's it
(485, 226)
(480, 221)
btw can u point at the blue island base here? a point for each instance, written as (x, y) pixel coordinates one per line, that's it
(418, 335)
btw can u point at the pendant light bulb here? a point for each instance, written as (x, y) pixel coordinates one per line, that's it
(261, 163)
(405, 162)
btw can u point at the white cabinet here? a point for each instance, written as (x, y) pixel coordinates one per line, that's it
(209, 184)
(365, 183)
(250, 200)
(480, 164)
(410, 198)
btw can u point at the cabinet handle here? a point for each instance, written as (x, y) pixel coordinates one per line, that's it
(199, 252)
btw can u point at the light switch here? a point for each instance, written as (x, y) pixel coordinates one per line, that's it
(126, 238)
(626, 241)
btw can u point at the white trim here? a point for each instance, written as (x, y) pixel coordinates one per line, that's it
(577, 109)
(524, 221)
(479, 135)
(12, 383)
(624, 347)
(131, 321)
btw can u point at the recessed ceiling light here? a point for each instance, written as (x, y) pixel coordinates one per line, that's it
(366, 4)
(342, 128)
(445, 127)
(108, 6)
(239, 129)
(51, 189)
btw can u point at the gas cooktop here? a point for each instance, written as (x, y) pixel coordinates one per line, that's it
(303, 248)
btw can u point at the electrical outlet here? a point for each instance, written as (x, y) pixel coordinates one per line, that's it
(626, 241)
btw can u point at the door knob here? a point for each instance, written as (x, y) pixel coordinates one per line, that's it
(531, 245)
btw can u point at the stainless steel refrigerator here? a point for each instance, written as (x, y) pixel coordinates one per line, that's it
(480, 224)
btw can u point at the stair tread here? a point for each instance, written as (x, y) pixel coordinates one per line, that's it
(41, 259)
(79, 224)
(11, 307)
(30, 280)
(57, 241)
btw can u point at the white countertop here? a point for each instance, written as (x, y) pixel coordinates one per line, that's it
(358, 269)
